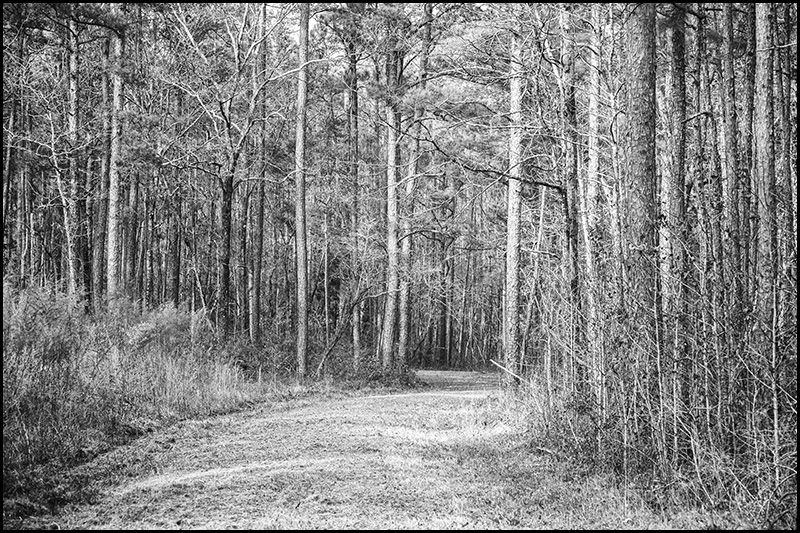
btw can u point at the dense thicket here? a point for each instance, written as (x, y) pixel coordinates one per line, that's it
(600, 198)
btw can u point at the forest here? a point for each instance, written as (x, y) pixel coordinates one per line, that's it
(596, 201)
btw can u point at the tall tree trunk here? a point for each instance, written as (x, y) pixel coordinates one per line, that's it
(81, 188)
(511, 334)
(749, 205)
(100, 209)
(300, 199)
(788, 183)
(258, 260)
(26, 222)
(413, 170)
(673, 180)
(640, 184)
(674, 232)
(243, 292)
(148, 246)
(717, 289)
(132, 235)
(70, 197)
(326, 282)
(16, 168)
(74, 161)
(444, 294)
(228, 186)
(570, 118)
(374, 316)
(175, 291)
(765, 161)
(768, 257)
(736, 175)
(10, 160)
(392, 266)
(733, 169)
(700, 245)
(112, 252)
(590, 219)
(353, 156)
(405, 256)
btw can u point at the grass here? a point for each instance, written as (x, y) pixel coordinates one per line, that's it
(75, 386)
(708, 493)
(533, 480)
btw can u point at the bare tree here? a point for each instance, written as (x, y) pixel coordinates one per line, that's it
(392, 146)
(511, 333)
(117, 103)
(300, 198)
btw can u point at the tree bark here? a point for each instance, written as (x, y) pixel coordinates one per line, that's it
(245, 235)
(117, 103)
(590, 220)
(732, 167)
(639, 206)
(392, 265)
(100, 208)
(511, 336)
(413, 171)
(132, 234)
(768, 258)
(15, 168)
(177, 239)
(787, 186)
(353, 156)
(300, 199)
(572, 213)
(748, 206)
(70, 197)
(765, 161)
(175, 289)
(258, 260)
(675, 234)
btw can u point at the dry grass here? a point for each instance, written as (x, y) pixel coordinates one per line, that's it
(333, 454)
(438, 458)
(76, 386)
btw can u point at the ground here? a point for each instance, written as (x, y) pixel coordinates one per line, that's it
(452, 455)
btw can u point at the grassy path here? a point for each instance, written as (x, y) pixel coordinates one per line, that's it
(450, 456)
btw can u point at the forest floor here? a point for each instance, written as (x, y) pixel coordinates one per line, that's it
(452, 455)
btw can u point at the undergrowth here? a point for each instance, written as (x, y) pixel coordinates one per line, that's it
(562, 426)
(76, 385)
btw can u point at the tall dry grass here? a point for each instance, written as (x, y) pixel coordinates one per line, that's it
(76, 385)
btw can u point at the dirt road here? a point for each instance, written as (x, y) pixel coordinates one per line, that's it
(450, 456)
